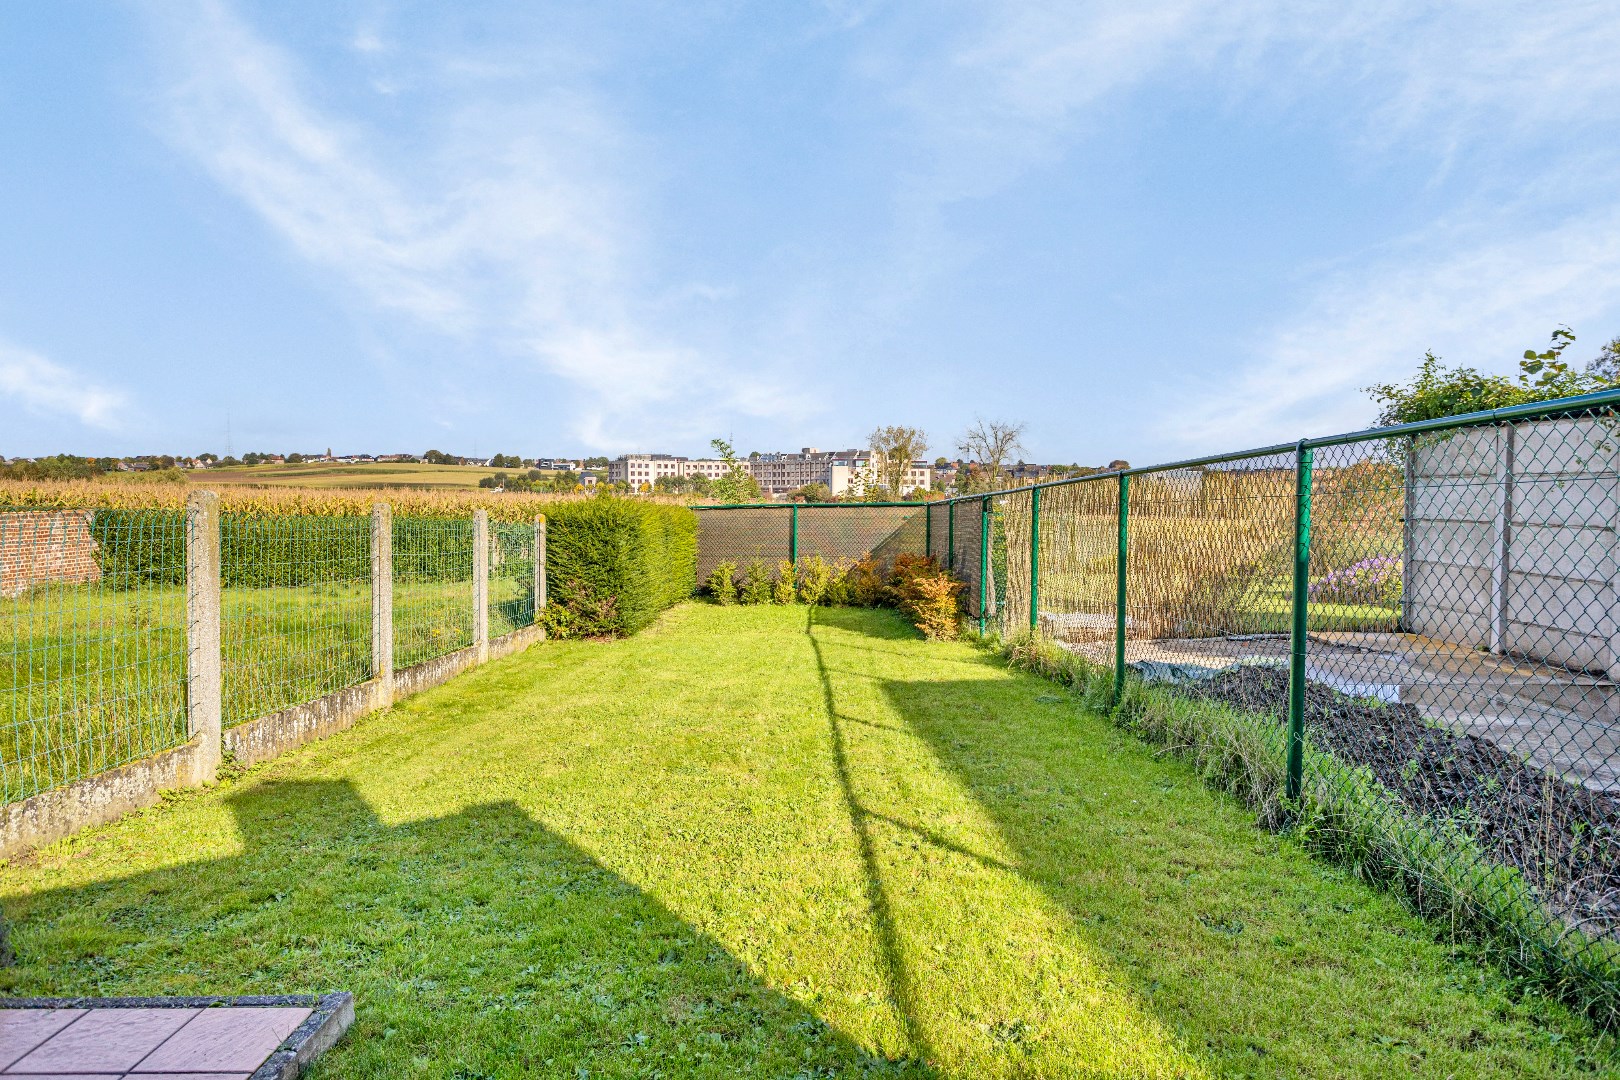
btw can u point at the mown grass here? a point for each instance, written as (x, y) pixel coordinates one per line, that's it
(769, 842)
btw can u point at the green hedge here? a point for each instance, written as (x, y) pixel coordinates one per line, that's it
(613, 564)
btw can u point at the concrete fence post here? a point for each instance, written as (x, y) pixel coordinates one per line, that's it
(1502, 536)
(382, 603)
(481, 583)
(203, 680)
(539, 571)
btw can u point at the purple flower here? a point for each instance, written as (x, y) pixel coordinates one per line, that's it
(1371, 581)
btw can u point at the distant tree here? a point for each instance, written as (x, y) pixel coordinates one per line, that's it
(295, 459)
(737, 485)
(815, 492)
(506, 461)
(1115, 465)
(942, 462)
(534, 474)
(1607, 364)
(208, 457)
(439, 457)
(990, 443)
(894, 447)
(595, 463)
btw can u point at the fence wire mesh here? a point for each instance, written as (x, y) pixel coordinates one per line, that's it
(93, 624)
(840, 534)
(511, 576)
(433, 588)
(295, 610)
(1459, 645)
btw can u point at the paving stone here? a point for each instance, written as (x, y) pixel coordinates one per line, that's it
(232, 1039)
(104, 1040)
(186, 1076)
(21, 1030)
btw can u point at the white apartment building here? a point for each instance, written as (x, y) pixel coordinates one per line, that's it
(635, 470)
(840, 470)
(843, 471)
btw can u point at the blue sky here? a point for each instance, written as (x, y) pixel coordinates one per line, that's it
(539, 227)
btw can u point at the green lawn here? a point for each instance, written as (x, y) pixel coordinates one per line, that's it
(768, 842)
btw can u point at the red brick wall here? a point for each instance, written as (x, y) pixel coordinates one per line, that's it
(37, 546)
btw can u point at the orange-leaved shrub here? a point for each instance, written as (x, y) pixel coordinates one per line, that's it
(927, 595)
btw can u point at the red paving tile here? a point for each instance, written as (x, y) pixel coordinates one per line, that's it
(21, 1030)
(103, 1041)
(225, 1040)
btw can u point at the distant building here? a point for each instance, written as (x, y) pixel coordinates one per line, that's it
(840, 470)
(634, 470)
(587, 478)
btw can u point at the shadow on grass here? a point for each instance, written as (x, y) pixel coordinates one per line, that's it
(478, 944)
(1252, 954)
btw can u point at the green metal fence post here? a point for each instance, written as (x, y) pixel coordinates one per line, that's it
(1301, 600)
(950, 536)
(1034, 560)
(793, 535)
(1121, 557)
(984, 555)
(928, 529)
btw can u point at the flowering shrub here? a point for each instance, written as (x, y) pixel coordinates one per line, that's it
(1371, 581)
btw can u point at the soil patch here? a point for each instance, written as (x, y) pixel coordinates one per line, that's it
(1564, 838)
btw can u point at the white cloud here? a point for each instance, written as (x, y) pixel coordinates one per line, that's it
(50, 389)
(1477, 292)
(516, 226)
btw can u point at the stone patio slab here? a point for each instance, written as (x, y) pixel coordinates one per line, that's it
(102, 1041)
(243, 1038)
(21, 1030)
(224, 1040)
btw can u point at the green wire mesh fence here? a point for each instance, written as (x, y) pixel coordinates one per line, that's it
(433, 588)
(92, 642)
(838, 533)
(94, 622)
(1417, 631)
(511, 576)
(295, 610)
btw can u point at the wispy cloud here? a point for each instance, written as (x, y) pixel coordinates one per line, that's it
(514, 225)
(1477, 292)
(1465, 91)
(49, 389)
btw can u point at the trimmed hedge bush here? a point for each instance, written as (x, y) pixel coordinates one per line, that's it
(613, 564)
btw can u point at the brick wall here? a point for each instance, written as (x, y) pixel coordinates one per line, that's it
(37, 546)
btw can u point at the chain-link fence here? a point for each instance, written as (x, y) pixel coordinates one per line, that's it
(92, 642)
(1418, 627)
(839, 533)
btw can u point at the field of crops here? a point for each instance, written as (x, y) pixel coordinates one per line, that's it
(365, 476)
